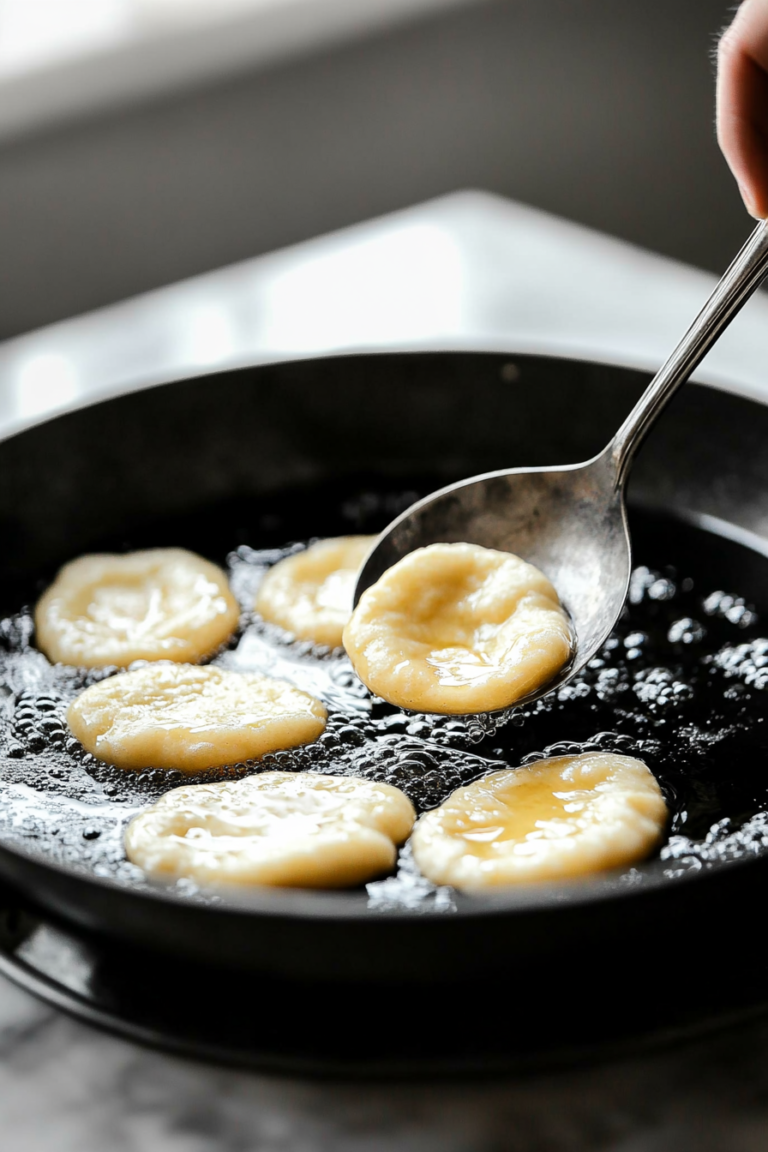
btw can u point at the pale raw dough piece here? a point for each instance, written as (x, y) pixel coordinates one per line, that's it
(456, 628)
(162, 604)
(188, 718)
(310, 594)
(292, 829)
(555, 819)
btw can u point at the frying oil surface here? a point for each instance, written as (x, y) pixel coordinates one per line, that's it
(682, 685)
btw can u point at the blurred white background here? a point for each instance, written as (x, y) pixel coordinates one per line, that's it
(142, 141)
(59, 57)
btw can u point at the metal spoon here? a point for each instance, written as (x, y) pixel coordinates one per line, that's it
(571, 521)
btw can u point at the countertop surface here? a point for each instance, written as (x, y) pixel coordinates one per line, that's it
(468, 271)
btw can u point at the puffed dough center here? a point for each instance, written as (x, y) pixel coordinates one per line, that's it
(456, 628)
(557, 818)
(161, 604)
(188, 718)
(310, 594)
(282, 828)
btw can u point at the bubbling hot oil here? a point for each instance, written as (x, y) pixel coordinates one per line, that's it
(682, 684)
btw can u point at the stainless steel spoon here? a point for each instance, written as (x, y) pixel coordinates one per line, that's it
(571, 521)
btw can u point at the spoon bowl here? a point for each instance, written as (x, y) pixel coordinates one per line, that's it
(571, 521)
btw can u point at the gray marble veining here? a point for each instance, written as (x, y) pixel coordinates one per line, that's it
(66, 1088)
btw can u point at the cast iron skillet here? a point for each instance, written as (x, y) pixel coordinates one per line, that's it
(183, 446)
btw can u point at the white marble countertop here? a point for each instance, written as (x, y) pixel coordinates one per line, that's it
(468, 271)
(64, 1088)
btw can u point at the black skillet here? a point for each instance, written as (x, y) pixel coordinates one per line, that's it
(181, 449)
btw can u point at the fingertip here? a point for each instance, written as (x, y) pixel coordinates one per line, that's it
(755, 201)
(749, 202)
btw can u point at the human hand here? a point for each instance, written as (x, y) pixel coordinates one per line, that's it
(742, 103)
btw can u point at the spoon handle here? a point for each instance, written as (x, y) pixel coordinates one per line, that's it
(732, 291)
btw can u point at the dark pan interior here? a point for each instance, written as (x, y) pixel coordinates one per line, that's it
(105, 472)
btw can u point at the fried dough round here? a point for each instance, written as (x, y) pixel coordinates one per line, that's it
(291, 829)
(179, 716)
(161, 604)
(557, 818)
(310, 593)
(456, 628)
